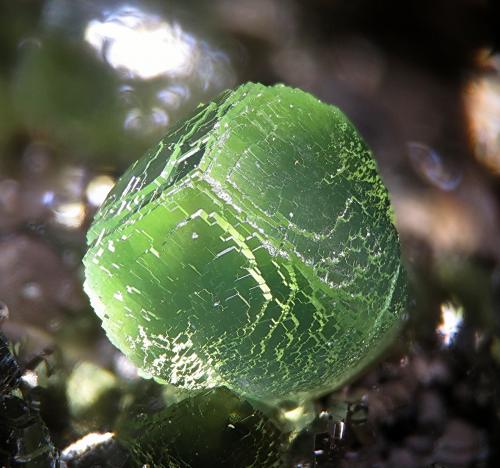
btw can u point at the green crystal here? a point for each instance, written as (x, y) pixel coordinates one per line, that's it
(213, 428)
(251, 248)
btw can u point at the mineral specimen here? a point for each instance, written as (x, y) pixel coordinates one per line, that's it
(251, 248)
(213, 425)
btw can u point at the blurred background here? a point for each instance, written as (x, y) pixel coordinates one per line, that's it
(87, 86)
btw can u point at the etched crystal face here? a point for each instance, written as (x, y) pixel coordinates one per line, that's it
(252, 248)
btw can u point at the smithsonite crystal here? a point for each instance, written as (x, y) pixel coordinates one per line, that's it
(251, 248)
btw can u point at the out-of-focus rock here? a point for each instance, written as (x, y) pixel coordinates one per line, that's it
(35, 284)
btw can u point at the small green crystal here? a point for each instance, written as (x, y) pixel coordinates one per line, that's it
(212, 428)
(251, 248)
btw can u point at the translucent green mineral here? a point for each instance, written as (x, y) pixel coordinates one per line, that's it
(252, 248)
(212, 428)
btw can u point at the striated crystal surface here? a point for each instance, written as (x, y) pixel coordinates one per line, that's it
(251, 248)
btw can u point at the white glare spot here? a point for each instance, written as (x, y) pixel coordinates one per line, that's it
(174, 96)
(87, 442)
(451, 320)
(70, 215)
(159, 118)
(98, 189)
(48, 198)
(294, 414)
(143, 44)
(145, 121)
(341, 427)
(125, 368)
(31, 291)
(30, 378)
(133, 120)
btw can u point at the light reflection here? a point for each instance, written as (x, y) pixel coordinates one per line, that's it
(294, 414)
(145, 121)
(30, 378)
(299, 417)
(133, 119)
(86, 384)
(431, 166)
(88, 442)
(32, 291)
(142, 44)
(124, 367)
(98, 189)
(48, 197)
(451, 320)
(483, 106)
(159, 118)
(162, 67)
(174, 96)
(70, 215)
